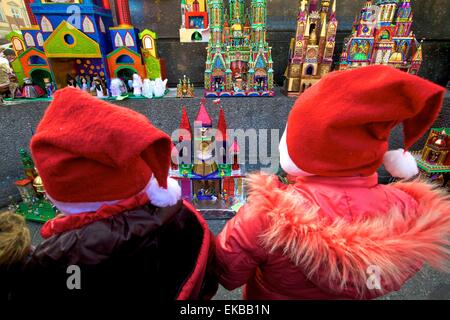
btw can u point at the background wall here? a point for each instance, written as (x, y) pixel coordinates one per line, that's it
(431, 21)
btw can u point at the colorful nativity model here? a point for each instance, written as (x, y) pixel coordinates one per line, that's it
(194, 21)
(311, 51)
(239, 59)
(34, 206)
(79, 46)
(434, 159)
(211, 185)
(382, 35)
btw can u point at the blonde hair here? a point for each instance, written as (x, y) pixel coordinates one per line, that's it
(15, 239)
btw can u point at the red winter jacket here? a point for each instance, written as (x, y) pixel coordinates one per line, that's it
(332, 238)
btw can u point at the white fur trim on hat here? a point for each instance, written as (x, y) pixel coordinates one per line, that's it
(161, 197)
(286, 162)
(400, 164)
(158, 196)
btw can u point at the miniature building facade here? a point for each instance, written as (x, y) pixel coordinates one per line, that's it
(194, 21)
(311, 51)
(239, 59)
(35, 205)
(434, 159)
(382, 34)
(185, 89)
(206, 181)
(81, 41)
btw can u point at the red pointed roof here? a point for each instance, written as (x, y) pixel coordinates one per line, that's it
(184, 123)
(222, 126)
(203, 116)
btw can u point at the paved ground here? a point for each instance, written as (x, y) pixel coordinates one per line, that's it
(427, 284)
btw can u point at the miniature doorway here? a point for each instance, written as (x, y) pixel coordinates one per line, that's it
(218, 80)
(126, 74)
(261, 80)
(38, 76)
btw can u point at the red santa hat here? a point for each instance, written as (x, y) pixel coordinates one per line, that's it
(341, 126)
(89, 153)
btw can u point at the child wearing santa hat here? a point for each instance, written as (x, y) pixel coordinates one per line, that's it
(124, 233)
(335, 232)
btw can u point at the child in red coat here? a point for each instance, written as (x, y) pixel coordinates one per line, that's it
(335, 232)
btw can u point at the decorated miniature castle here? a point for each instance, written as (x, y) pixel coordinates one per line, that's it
(382, 35)
(239, 59)
(194, 21)
(311, 51)
(434, 159)
(76, 39)
(34, 206)
(211, 183)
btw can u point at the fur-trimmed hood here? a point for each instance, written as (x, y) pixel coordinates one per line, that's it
(338, 253)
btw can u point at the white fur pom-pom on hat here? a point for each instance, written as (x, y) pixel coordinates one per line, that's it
(400, 164)
(161, 197)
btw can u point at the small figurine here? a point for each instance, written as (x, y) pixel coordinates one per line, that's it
(100, 87)
(48, 87)
(83, 84)
(88, 81)
(78, 81)
(137, 85)
(70, 81)
(160, 88)
(185, 89)
(148, 88)
(118, 88)
(30, 91)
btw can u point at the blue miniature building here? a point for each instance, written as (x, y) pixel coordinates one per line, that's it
(77, 39)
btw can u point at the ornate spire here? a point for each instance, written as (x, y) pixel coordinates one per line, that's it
(323, 32)
(308, 26)
(222, 126)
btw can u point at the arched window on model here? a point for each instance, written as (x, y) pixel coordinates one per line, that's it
(17, 44)
(118, 42)
(147, 42)
(88, 26)
(29, 40)
(46, 25)
(129, 42)
(40, 39)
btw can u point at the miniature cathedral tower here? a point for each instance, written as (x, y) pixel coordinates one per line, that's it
(383, 39)
(311, 51)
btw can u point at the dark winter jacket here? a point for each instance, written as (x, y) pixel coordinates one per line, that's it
(144, 253)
